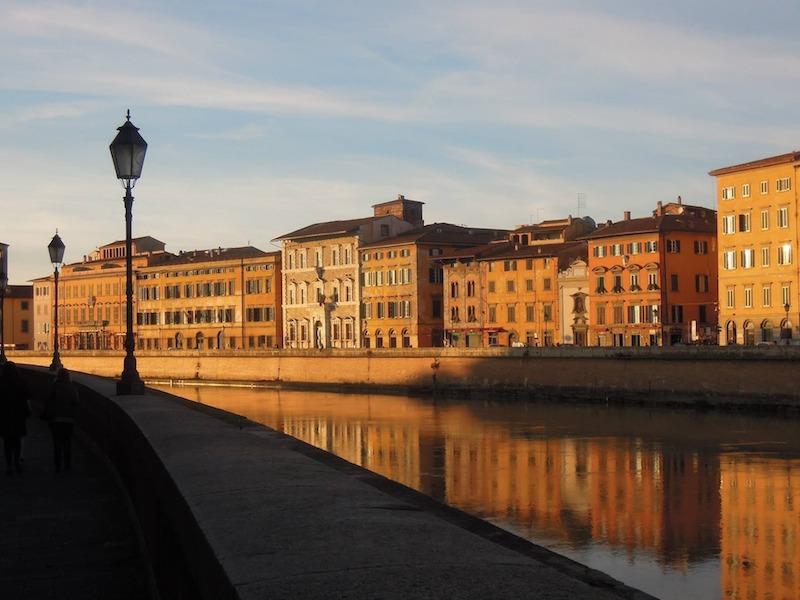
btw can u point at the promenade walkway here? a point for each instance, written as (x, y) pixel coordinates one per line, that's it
(66, 536)
(250, 513)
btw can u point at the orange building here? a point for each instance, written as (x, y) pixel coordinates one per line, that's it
(655, 278)
(211, 299)
(214, 299)
(759, 229)
(512, 292)
(401, 284)
(18, 317)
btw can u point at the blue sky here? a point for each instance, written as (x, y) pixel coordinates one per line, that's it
(263, 117)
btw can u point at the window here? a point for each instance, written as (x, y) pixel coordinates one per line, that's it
(528, 264)
(700, 247)
(454, 289)
(728, 193)
(635, 313)
(600, 315)
(384, 231)
(766, 295)
(783, 217)
(744, 222)
(652, 281)
(511, 313)
(492, 314)
(509, 265)
(601, 284)
(673, 282)
(729, 259)
(619, 313)
(491, 287)
(635, 282)
(765, 256)
(748, 297)
(745, 190)
(470, 313)
(701, 283)
(635, 248)
(547, 311)
(651, 246)
(729, 224)
(510, 285)
(783, 185)
(673, 246)
(765, 187)
(677, 313)
(529, 287)
(470, 288)
(453, 314)
(785, 254)
(547, 284)
(730, 298)
(616, 249)
(764, 219)
(599, 251)
(530, 313)
(785, 296)
(748, 258)
(617, 284)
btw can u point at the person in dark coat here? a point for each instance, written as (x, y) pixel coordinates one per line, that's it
(60, 409)
(14, 412)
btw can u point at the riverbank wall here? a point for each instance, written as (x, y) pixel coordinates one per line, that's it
(751, 377)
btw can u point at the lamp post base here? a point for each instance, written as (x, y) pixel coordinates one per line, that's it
(130, 388)
(56, 364)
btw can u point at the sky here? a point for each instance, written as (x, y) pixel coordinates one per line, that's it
(262, 117)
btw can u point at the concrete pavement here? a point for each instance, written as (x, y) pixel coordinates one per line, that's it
(66, 536)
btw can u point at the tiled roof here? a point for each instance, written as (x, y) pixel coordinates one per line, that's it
(442, 233)
(215, 255)
(757, 164)
(654, 225)
(328, 228)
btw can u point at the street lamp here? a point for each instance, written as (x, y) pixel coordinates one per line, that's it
(787, 327)
(3, 289)
(56, 249)
(127, 152)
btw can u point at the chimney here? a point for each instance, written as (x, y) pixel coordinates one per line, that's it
(627, 215)
(679, 199)
(659, 209)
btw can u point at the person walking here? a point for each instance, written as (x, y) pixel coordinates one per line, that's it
(59, 411)
(14, 412)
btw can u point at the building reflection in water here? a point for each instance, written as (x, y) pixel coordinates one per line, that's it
(675, 489)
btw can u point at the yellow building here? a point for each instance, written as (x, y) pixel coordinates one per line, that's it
(526, 290)
(401, 284)
(757, 215)
(216, 299)
(321, 274)
(210, 299)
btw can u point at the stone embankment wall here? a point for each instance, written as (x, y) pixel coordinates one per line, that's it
(734, 376)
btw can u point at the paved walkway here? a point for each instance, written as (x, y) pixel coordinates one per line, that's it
(66, 535)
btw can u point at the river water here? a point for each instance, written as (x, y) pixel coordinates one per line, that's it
(676, 503)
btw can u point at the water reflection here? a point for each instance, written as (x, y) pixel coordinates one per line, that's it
(678, 504)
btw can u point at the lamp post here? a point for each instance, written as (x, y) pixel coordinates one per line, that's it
(56, 249)
(3, 289)
(127, 152)
(787, 329)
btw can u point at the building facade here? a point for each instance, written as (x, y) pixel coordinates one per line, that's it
(216, 299)
(759, 273)
(654, 279)
(18, 318)
(402, 302)
(322, 276)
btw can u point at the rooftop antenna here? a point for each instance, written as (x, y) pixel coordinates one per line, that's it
(581, 203)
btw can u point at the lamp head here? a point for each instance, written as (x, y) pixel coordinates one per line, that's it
(56, 249)
(127, 152)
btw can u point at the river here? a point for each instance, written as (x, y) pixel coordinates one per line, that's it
(679, 504)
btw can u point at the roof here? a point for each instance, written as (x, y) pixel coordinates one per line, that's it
(658, 224)
(441, 233)
(791, 157)
(329, 228)
(215, 255)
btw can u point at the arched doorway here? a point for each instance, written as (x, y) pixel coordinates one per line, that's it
(200, 341)
(221, 340)
(365, 339)
(319, 337)
(179, 341)
(749, 333)
(730, 333)
(392, 338)
(379, 338)
(406, 339)
(767, 334)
